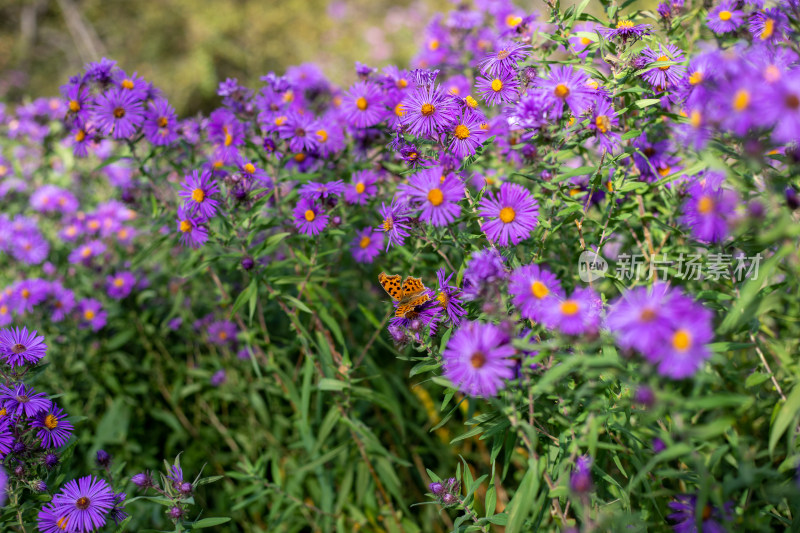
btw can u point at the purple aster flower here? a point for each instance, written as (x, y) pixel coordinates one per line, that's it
(132, 83)
(361, 187)
(193, 233)
(30, 247)
(783, 108)
(222, 332)
(218, 378)
(603, 119)
(84, 503)
(577, 314)
(363, 105)
(78, 99)
(484, 271)
(436, 194)
(329, 136)
(532, 289)
(367, 245)
(19, 347)
(224, 129)
(686, 510)
(299, 128)
(478, 359)
(54, 430)
(512, 214)
(160, 123)
(63, 302)
(566, 85)
(143, 480)
(769, 25)
(92, 314)
(468, 134)
(505, 59)
(706, 212)
(395, 222)
(725, 17)
(52, 199)
(625, 30)
(85, 252)
(197, 191)
(640, 318)
(686, 348)
(28, 294)
(580, 481)
(100, 71)
(310, 218)
(119, 286)
(428, 111)
(500, 88)
(117, 113)
(666, 76)
(6, 434)
(314, 190)
(22, 401)
(448, 297)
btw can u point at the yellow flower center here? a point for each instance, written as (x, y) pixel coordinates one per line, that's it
(663, 171)
(228, 139)
(119, 282)
(569, 307)
(86, 252)
(662, 59)
(792, 101)
(585, 41)
(123, 233)
(50, 421)
(455, 90)
(74, 106)
(364, 242)
(433, 44)
(399, 110)
(323, 135)
(361, 103)
(682, 340)
(769, 29)
(127, 84)
(88, 314)
(198, 195)
(119, 112)
(427, 109)
(705, 205)
(310, 215)
(497, 85)
(444, 300)
(387, 224)
(249, 168)
(3, 309)
(279, 121)
(741, 99)
(185, 226)
(625, 24)
(360, 188)
(26, 293)
(602, 123)
(513, 20)
(435, 196)
(539, 290)
(300, 157)
(696, 119)
(772, 73)
(507, 215)
(561, 91)
(402, 83)
(80, 136)
(471, 101)
(725, 15)
(462, 132)
(696, 77)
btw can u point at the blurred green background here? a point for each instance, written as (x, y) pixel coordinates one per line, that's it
(186, 47)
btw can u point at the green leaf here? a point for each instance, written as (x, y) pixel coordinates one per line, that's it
(210, 522)
(787, 414)
(520, 505)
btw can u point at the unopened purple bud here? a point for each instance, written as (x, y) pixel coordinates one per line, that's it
(103, 458)
(792, 200)
(248, 263)
(186, 488)
(175, 513)
(143, 480)
(19, 471)
(581, 479)
(756, 209)
(38, 486)
(436, 488)
(448, 499)
(50, 460)
(658, 445)
(269, 145)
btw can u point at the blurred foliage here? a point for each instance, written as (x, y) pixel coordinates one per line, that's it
(190, 46)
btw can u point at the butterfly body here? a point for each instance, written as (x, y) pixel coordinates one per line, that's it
(409, 294)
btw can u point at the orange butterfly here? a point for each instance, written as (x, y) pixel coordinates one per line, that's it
(410, 294)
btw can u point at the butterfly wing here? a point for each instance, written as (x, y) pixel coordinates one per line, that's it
(391, 284)
(412, 287)
(407, 309)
